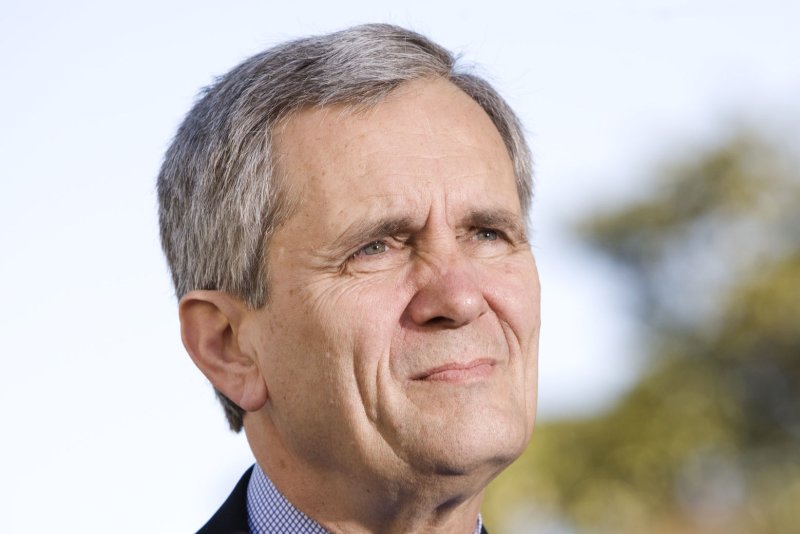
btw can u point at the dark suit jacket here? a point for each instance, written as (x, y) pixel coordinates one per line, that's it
(231, 518)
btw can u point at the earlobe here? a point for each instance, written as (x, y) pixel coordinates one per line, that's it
(210, 323)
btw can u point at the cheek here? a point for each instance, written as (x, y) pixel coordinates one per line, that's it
(351, 322)
(354, 316)
(512, 291)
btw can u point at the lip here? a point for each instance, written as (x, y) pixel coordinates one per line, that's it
(456, 372)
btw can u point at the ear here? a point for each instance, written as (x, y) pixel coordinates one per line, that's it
(210, 322)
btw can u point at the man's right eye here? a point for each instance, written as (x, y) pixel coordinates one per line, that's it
(376, 247)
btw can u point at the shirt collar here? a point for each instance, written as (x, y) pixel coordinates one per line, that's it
(268, 511)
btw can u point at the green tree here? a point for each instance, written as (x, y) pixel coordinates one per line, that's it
(709, 439)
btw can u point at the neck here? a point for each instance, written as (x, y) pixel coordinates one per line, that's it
(344, 501)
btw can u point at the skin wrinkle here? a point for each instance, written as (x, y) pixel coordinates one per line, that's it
(367, 399)
(366, 231)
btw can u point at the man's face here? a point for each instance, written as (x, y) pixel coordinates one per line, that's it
(400, 339)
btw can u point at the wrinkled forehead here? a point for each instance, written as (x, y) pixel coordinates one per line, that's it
(424, 132)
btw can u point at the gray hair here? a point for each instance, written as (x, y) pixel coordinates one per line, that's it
(220, 200)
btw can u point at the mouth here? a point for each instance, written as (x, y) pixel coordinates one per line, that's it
(457, 372)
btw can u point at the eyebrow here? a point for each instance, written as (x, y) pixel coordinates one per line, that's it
(371, 230)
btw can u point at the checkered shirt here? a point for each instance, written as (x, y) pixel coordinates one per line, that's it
(268, 511)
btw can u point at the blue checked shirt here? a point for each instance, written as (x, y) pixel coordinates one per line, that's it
(268, 511)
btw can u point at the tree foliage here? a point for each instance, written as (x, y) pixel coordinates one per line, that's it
(709, 439)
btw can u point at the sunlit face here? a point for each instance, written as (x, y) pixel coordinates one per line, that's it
(400, 339)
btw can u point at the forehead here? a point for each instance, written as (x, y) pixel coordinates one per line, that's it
(425, 138)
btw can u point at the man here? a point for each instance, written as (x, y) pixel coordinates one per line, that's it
(344, 217)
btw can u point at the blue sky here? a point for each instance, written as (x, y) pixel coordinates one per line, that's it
(103, 415)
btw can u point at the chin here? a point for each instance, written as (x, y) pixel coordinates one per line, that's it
(481, 449)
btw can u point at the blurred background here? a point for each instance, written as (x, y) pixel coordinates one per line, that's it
(666, 225)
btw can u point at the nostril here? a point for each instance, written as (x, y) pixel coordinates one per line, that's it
(447, 298)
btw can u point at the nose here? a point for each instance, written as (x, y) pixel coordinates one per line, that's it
(449, 294)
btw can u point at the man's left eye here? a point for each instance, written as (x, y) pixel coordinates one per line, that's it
(486, 235)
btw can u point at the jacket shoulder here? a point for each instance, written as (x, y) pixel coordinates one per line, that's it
(231, 518)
